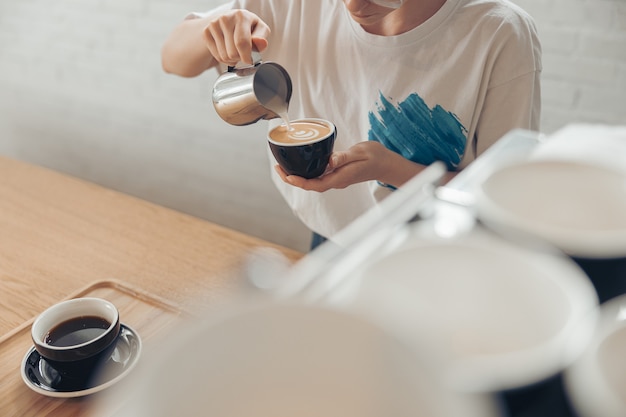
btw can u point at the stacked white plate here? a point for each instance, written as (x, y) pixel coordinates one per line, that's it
(491, 315)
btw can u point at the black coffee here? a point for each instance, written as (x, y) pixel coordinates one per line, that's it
(76, 331)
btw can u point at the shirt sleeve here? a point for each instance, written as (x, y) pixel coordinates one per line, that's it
(199, 15)
(512, 105)
(513, 96)
(264, 9)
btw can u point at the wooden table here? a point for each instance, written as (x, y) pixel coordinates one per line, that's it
(59, 235)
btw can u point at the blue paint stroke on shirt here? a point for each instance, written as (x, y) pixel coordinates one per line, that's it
(419, 133)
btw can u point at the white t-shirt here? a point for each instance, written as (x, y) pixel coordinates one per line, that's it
(446, 90)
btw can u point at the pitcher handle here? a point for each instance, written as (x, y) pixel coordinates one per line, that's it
(256, 60)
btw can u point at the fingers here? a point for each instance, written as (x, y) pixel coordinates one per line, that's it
(338, 159)
(215, 44)
(281, 173)
(259, 35)
(230, 37)
(320, 184)
(259, 43)
(342, 158)
(240, 44)
(354, 165)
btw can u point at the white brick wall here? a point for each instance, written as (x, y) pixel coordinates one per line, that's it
(584, 58)
(82, 91)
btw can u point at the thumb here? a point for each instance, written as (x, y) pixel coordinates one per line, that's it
(259, 44)
(259, 35)
(338, 159)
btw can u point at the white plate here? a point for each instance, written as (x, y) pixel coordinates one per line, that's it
(39, 377)
(496, 316)
(579, 208)
(596, 382)
(286, 359)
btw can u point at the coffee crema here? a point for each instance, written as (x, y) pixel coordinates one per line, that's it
(299, 132)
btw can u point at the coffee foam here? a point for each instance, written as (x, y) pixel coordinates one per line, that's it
(300, 132)
(303, 134)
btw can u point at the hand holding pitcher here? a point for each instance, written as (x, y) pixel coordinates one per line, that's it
(232, 36)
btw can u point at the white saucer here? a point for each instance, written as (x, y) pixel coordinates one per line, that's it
(41, 378)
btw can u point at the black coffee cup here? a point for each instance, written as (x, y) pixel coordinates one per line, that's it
(304, 149)
(74, 337)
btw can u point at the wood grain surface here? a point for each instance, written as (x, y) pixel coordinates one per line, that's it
(59, 234)
(149, 315)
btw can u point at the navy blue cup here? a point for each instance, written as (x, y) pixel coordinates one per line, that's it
(306, 158)
(85, 346)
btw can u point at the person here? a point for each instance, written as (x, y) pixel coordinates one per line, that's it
(406, 82)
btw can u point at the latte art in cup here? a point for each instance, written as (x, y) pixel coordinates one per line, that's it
(303, 148)
(299, 133)
(303, 134)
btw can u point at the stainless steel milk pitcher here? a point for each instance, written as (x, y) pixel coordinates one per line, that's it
(244, 95)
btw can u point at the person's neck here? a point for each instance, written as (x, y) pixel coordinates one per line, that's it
(410, 15)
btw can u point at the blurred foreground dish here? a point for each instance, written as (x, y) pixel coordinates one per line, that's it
(277, 359)
(596, 382)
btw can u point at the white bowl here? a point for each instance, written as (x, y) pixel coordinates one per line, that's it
(495, 316)
(577, 207)
(596, 382)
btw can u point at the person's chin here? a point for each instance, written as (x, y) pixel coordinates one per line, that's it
(371, 20)
(365, 19)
